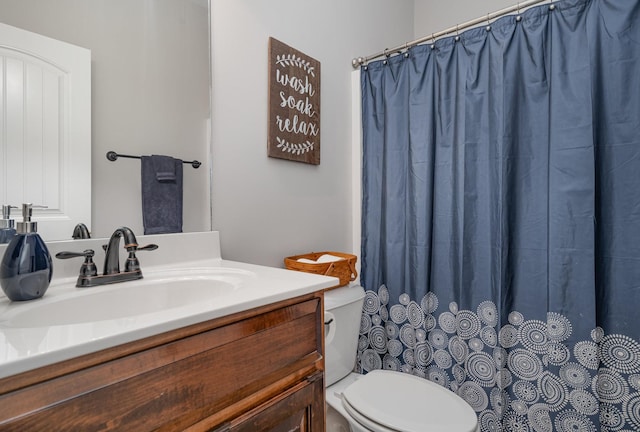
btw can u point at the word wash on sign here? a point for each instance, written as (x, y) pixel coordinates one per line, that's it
(294, 104)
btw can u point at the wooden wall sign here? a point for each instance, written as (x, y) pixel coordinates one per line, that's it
(294, 104)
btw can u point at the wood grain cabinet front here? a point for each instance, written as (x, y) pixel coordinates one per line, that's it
(296, 410)
(259, 370)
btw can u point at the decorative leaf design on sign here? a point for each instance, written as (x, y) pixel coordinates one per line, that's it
(293, 60)
(297, 149)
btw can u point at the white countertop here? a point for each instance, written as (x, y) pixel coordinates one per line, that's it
(28, 346)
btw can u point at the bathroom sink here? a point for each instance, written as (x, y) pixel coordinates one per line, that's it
(158, 292)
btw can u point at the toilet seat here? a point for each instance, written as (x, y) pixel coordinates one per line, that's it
(389, 401)
(364, 421)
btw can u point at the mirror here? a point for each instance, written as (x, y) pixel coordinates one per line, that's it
(150, 94)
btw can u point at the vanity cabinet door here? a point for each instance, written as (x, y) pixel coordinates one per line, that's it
(300, 409)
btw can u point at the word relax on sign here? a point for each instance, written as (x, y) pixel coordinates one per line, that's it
(297, 126)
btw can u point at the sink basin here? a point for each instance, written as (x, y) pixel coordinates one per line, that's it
(157, 292)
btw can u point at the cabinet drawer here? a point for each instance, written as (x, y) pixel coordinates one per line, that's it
(300, 409)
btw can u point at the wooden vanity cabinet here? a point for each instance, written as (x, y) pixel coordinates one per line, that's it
(259, 370)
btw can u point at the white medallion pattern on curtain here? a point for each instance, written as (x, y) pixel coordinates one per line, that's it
(521, 376)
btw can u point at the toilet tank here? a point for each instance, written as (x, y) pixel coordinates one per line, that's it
(342, 312)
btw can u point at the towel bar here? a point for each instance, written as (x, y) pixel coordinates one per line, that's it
(113, 156)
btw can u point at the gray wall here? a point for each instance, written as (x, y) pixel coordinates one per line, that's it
(433, 16)
(267, 208)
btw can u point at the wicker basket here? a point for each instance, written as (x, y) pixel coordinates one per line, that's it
(345, 269)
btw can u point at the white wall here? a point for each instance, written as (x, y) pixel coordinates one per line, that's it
(432, 16)
(267, 208)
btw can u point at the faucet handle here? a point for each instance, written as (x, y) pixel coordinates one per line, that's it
(148, 247)
(67, 254)
(88, 266)
(132, 263)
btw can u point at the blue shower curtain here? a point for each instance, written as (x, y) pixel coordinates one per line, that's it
(501, 217)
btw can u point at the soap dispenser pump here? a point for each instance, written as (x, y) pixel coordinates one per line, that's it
(26, 268)
(7, 225)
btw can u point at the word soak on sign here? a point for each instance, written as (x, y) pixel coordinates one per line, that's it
(294, 104)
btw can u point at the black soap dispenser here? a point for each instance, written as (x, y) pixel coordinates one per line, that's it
(7, 225)
(26, 268)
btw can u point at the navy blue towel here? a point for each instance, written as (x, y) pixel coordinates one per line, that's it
(164, 168)
(161, 194)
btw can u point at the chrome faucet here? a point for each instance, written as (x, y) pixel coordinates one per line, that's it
(88, 272)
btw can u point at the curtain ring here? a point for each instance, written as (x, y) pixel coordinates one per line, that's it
(433, 41)
(518, 17)
(384, 51)
(457, 34)
(488, 22)
(551, 5)
(406, 50)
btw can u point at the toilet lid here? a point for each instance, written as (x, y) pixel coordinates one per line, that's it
(407, 403)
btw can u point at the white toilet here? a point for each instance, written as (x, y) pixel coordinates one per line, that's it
(380, 401)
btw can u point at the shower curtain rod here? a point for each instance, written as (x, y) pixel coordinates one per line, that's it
(357, 62)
